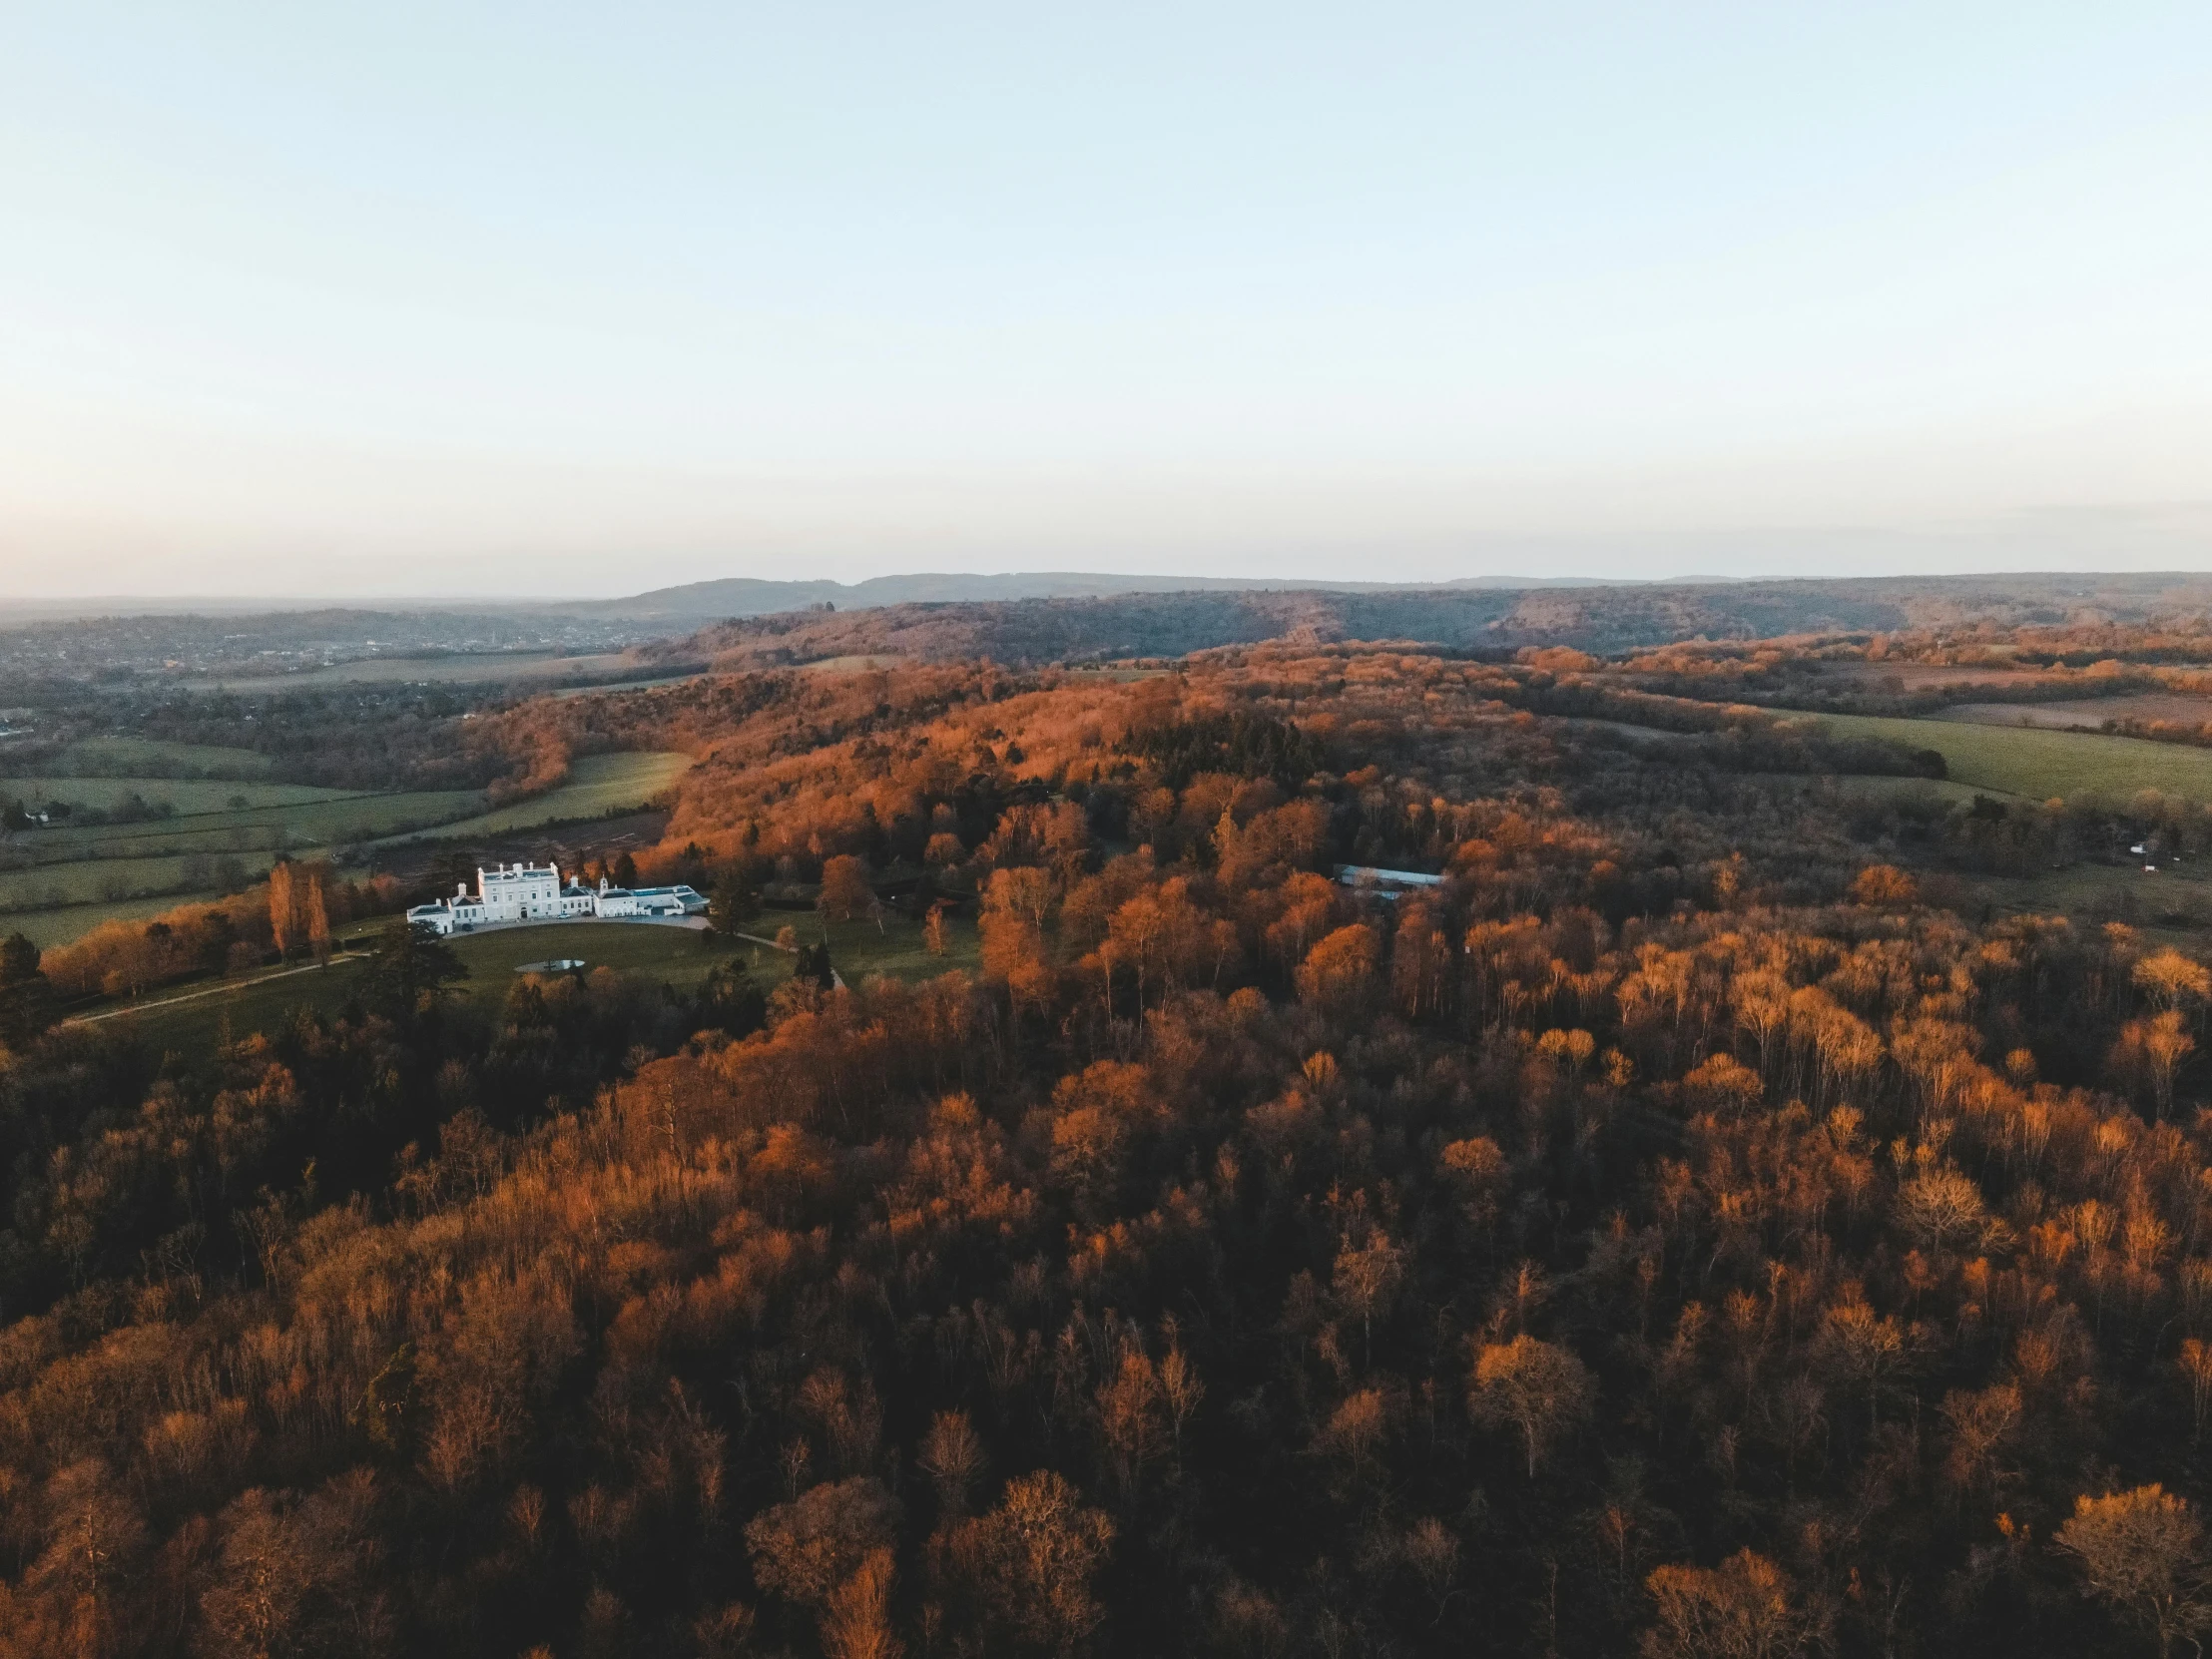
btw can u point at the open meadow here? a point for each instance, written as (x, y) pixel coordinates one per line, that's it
(2172, 906)
(181, 795)
(49, 927)
(2045, 764)
(597, 785)
(98, 880)
(202, 852)
(120, 756)
(331, 821)
(2086, 713)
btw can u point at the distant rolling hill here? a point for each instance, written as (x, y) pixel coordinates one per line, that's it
(1591, 617)
(747, 596)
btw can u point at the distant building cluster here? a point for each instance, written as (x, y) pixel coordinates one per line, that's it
(535, 892)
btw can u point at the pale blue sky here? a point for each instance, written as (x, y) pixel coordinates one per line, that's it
(414, 299)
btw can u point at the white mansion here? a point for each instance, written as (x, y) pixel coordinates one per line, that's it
(533, 892)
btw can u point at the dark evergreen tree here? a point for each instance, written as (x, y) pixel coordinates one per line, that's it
(26, 998)
(410, 963)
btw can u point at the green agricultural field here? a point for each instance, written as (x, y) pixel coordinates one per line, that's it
(597, 785)
(186, 796)
(2042, 765)
(137, 757)
(331, 821)
(104, 881)
(58, 884)
(47, 928)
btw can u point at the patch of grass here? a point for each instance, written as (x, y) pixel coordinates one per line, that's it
(186, 796)
(679, 956)
(193, 1024)
(105, 880)
(2173, 906)
(137, 757)
(2086, 713)
(325, 823)
(2042, 765)
(857, 949)
(597, 785)
(46, 929)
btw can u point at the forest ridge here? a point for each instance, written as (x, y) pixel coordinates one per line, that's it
(1698, 1226)
(1503, 617)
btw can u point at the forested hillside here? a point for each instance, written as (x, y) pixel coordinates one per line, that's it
(1704, 1222)
(1465, 618)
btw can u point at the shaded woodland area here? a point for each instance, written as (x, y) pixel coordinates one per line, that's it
(1692, 1228)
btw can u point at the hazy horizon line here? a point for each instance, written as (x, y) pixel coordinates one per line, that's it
(89, 606)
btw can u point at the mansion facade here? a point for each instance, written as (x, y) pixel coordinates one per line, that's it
(535, 892)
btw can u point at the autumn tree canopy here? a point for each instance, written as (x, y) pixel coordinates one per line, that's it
(1699, 1223)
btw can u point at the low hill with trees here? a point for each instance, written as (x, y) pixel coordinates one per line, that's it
(1593, 617)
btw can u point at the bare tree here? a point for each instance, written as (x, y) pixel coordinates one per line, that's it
(2142, 1552)
(1534, 1386)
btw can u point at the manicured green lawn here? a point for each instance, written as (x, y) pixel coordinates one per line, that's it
(678, 957)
